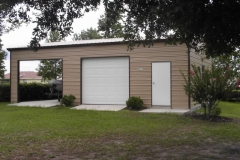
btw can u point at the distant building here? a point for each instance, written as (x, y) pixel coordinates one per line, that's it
(24, 77)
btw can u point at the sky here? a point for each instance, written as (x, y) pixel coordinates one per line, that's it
(22, 36)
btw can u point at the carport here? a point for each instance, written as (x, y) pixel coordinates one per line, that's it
(103, 72)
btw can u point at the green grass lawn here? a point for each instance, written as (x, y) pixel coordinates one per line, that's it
(62, 133)
(230, 109)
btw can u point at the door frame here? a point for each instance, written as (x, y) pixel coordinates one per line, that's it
(18, 71)
(170, 83)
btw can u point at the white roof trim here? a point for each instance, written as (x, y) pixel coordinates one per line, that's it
(68, 43)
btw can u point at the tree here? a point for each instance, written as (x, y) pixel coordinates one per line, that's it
(87, 34)
(210, 25)
(229, 61)
(51, 69)
(49, 15)
(3, 55)
(115, 30)
(211, 87)
(2, 67)
(54, 36)
(238, 84)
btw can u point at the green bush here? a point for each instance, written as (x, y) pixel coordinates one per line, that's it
(68, 100)
(134, 103)
(208, 87)
(5, 92)
(216, 111)
(27, 92)
(234, 96)
(33, 91)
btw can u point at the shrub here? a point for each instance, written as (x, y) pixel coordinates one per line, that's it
(208, 89)
(134, 103)
(33, 91)
(216, 111)
(27, 92)
(68, 100)
(5, 93)
(234, 96)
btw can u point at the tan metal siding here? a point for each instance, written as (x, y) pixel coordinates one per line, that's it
(140, 57)
(199, 60)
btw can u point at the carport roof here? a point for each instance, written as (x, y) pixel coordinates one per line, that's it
(74, 43)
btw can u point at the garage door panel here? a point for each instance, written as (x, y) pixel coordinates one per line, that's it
(111, 88)
(90, 80)
(100, 99)
(111, 62)
(100, 89)
(105, 80)
(90, 89)
(121, 99)
(88, 99)
(90, 63)
(111, 99)
(122, 71)
(90, 71)
(122, 80)
(111, 80)
(100, 61)
(100, 80)
(121, 89)
(110, 71)
(121, 62)
(101, 71)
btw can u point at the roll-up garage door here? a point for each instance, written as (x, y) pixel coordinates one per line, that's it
(105, 80)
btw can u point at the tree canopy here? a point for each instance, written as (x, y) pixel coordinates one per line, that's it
(50, 69)
(231, 61)
(3, 55)
(209, 25)
(114, 30)
(90, 33)
(54, 36)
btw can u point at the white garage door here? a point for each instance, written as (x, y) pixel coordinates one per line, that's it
(105, 80)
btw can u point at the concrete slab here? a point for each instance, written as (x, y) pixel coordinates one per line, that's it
(155, 110)
(43, 103)
(101, 107)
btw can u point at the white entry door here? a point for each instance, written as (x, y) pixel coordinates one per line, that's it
(161, 83)
(105, 80)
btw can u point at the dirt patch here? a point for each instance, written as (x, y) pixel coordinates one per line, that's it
(127, 150)
(222, 151)
(117, 147)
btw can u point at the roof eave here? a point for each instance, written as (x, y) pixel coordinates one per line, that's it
(77, 45)
(64, 46)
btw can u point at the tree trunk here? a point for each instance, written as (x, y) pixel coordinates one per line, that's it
(209, 110)
(205, 109)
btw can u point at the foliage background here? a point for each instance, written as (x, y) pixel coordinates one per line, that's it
(27, 92)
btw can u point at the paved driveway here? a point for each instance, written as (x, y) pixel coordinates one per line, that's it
(51, 103)
(44, 103)
(100, 107)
